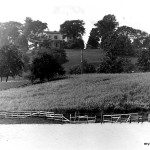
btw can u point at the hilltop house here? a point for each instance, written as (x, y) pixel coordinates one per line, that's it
(55, 37)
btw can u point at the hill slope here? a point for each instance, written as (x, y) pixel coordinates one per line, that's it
(90, 92)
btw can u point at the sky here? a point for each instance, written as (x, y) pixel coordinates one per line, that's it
(133, 13)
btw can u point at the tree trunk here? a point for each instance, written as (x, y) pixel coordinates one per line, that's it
(1, 78)
(6, 78)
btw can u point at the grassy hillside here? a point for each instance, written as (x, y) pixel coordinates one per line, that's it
(90, 92)
(13, 84)
(74, 56)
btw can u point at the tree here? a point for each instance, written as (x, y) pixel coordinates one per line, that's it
(9, 32)
(45, 66)
(107, 25)
(73, 29)
(93, 41)
(12, 33)
(118, 45)
(127, 31)
(11, 61)
(22, 43)
(75, 44)
(33, 27)
(143, 61)
(140, 39)
(112, 64)
(58, 54)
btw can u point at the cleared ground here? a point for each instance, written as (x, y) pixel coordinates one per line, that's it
(84, 93)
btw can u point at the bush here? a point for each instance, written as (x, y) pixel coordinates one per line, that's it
(45, 66)
(58, 54)
(75, 69)
(87, 68)
(144, 60)
(115, 65)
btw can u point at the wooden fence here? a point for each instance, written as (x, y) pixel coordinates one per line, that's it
(47, 115)
(74, 118)
(41, 114)
(82, 119)
(122, 118)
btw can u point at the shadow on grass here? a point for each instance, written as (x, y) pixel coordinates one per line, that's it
(54, 79)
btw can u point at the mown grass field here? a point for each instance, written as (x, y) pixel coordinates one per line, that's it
(13, 83)
(112, 93)
(93, 56)
(74, 57)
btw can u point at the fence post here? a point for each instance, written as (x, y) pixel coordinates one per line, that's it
(70, 117)
(102, 117)
(87, 119)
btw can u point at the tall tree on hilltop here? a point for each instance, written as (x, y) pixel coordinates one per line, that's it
(9, 32)
(93, 41)
(73, 29)
(140, 39)
(127, 31)
(107, 25)
(117, 45)
(33, 27)
(11, 61)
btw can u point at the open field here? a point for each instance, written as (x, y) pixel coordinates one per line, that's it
(112, 93)
(74, 56)
(91, 55)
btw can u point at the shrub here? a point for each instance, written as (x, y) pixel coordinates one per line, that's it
(75, 69)
(144, 60)
(87, 68)
(115, 65)
(45, 66)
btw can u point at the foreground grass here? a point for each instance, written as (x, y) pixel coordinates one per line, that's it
(84, 93)
(13, 84)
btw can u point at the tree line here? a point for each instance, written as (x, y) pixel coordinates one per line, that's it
(23, 48)
(119, 43)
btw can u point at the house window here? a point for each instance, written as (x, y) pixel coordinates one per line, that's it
(55, 37)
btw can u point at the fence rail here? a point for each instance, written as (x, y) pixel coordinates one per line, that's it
(122, 118)
(131, 117)
(41, 114)
(82, 119)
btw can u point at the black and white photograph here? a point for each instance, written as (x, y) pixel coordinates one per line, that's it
(75, 74)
